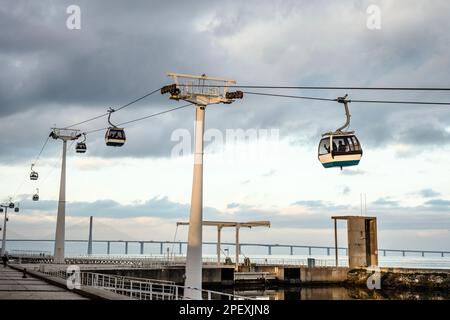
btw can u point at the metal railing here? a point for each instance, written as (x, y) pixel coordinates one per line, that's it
(139, 288)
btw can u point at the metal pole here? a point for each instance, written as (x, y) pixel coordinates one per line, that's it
(126, 247)
(194, 249)
(219, 229)
(142, 247)
(108, 247)
(4, 232)
(61, 217)
(237, 249)
(90, 236)
(336, 242)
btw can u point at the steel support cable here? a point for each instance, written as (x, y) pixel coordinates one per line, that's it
(142, 118)
(322, 87)
(117, 109)
(351, 100)
(33, 164)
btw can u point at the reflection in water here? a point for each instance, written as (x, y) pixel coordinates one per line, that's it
(340, 293)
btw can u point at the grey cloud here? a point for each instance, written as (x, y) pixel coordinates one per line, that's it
(438, 204)
(232, 205)
(117, 57)
(269, 173)
(433, 214)
(346, 190)
(385, 202)
(429, 193)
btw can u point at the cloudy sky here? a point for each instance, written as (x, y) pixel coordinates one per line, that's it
(54, 76)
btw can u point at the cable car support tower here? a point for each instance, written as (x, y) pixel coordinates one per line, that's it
(200, 91)
(64, 135)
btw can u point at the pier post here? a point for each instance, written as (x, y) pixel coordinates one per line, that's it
(328, 251)
(442, 254)
(180, 248)
(384, 253)
(237, 248)
(270, 250)
(292, 250)
(126, 247)
(423, 253)
(108, 247)
(403, 253)
(89, 250)
(219, 229)
(142, 247)
(309, 251)
(336, 242)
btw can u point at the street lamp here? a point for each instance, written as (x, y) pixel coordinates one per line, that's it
(4, 208)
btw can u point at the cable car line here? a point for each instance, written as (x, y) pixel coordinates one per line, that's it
(117, 109)
(324, 87)
(352, 100)
(139, 119)
(288, 96)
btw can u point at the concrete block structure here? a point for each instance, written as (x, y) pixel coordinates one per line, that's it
(362, 240)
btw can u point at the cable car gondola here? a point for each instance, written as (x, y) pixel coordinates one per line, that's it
(340, 148)
(81, 146)
(33, 175)
(36, 195)
(114, 137)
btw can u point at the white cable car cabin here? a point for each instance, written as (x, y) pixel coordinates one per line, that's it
(340, 148)
(114, 137)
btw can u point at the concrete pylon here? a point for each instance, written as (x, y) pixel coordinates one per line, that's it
(194, 249)
(61, 217)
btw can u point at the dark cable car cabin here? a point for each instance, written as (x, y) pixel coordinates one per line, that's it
(36, 195)
(80, 147)
(115, 137)
(34, 175)
(341, 150)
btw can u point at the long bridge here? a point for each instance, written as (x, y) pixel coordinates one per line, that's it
(328, 250)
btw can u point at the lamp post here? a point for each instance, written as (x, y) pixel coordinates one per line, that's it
(5, 208)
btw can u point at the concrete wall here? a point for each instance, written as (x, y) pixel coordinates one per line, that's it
(209, 275)
(356, 243)
(323, 274)
(362, 242)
